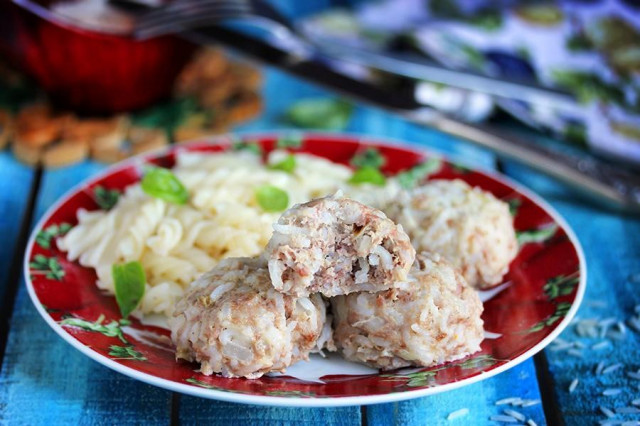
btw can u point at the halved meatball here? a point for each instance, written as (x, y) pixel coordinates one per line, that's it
(468, 226)
(433, 318)
(336, 246)
(233, 322)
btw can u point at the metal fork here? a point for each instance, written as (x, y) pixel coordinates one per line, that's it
(184, 15)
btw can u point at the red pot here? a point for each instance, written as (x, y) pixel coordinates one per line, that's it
(85, 70)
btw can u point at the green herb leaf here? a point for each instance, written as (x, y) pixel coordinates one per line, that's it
(161, 183)
(247, 146)
(167, 115)
(289, 141)
(202, 384)
(43, 239)
(322, 113)
(561, 285)
(110, 330)
(514, 205)
(536, 235)
(370, 157)
(129, 280)
(47, 265)
(414, 176)
(287, 165)
(368, 174)
(105, 198)
(126, 352)
(477, 362)
(272, 198)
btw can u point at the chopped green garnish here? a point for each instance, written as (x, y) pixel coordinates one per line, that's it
(322, 113)
(368, 174)
(129, 280)
(167, 115)
(536, 235)
(289, 141)
(514, 205)
(161, 183)
(105, 198)
(44, 237)
(111, 329)
(287, 165)
(49, 266)
(412, 177)
(247, 146)
(126, 352)
(370, 157)
(272, 198)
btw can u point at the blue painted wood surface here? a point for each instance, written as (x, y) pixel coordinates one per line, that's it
(612, 249)
(45, 381)
(15, 188)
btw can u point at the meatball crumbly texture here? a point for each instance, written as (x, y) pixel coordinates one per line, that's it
(434, 318)
(468, 226)
(337, 246)
(233, 322)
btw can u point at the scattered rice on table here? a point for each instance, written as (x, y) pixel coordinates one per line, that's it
(607, 412)
(515, 414)
(458, 413)
(573, 385)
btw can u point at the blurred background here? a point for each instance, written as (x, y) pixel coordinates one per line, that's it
(110, 78)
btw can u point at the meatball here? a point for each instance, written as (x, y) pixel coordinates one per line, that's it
(468, 226)
(433, 318)
(233, 322)
(337, 246)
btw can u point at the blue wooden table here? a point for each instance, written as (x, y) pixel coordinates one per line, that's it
(43, 380)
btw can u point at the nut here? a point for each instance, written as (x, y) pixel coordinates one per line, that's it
(65, 153)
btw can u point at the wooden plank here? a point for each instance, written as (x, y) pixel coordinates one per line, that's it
(200, 411)
(16, 180)
(478, 398)
(45, 381)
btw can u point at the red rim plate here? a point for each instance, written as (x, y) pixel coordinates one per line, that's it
(548, 279)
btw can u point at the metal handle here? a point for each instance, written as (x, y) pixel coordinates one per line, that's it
(422, 69)
(618, 187)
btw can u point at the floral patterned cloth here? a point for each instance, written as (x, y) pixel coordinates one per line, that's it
(590, 48)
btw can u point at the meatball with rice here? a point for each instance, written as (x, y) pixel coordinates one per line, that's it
(232, 321)
(431, 319)
(337, 246)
